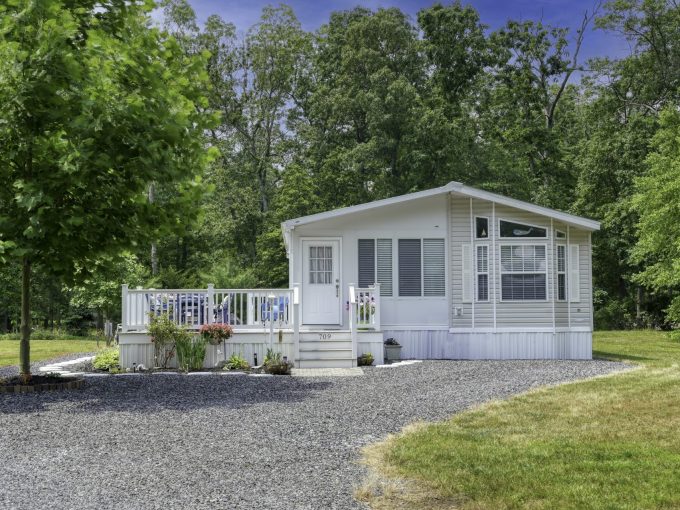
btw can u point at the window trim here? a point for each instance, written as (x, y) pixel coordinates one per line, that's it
(396, 290)
(512, 239)
(563, 272)
(562, 236)
(489, 264)
(488, 228)
(501, 273)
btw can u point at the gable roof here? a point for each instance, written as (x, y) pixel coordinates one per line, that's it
(452, 187)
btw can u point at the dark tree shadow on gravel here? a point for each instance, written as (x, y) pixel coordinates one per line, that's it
(155, 393)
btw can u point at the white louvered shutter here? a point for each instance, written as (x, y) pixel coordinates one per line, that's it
(385, 266)
(467, 273)
(574, 274)
(434, 272)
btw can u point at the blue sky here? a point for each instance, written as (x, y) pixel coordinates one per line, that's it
(313, 13)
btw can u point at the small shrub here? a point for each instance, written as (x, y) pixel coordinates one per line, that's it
(107, 360)
(236, 362)
(164, 333)
(190, 351)
(391, 341)
(365, 360)
(275, 364)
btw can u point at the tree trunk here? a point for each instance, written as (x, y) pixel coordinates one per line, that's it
(24, 345)
(154, 248)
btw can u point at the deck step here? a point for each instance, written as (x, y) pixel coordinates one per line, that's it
(327, 363)
(312, 354)
(307, 345)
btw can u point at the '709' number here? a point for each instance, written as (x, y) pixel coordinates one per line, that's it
(324, 336)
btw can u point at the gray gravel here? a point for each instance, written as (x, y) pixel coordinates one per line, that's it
(14, 369)
(233, 441)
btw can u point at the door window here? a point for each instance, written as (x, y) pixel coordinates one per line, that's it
(321, 265)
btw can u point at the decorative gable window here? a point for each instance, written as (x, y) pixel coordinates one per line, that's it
(375, 265)
(523, 273)
(422, 267)
(481, 227)
(520, 230)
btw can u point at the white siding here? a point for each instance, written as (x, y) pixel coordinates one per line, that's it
(489, 345)
(421, 219)
(513, 314)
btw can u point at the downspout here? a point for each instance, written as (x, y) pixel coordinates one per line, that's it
(493, 234)
(567, 277)
(473, 268)
(551, 267)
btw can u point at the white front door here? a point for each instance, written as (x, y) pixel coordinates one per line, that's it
(321, 282)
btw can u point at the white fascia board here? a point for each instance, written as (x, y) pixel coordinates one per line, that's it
(364, 207)
(452, 187)
(571, 219)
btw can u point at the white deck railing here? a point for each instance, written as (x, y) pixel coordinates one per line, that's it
(240, 308)
(364, 311)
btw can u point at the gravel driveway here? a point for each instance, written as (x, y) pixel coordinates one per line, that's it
(228, 441)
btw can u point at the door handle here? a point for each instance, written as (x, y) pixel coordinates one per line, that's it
(337, 289)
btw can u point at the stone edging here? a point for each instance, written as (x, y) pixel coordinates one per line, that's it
(20, 388)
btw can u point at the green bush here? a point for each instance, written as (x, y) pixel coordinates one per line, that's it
(190, 351)
(108, 360)
(164, 333)
(365, 359)
(236, 362)
(274, 363)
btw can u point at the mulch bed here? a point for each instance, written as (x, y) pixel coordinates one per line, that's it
(39, 383)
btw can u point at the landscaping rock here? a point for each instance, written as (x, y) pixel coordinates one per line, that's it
(169, 442)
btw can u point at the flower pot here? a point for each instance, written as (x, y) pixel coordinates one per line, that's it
(393, 352)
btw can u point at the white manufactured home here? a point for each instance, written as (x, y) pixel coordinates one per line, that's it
(450, 273)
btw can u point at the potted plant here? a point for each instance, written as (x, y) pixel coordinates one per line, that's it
(216, 333)
(392, 350)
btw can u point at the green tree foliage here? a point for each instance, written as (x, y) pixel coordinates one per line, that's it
(371, 105)
(658, 207)
(94, 105)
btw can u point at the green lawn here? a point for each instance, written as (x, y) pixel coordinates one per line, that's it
(44, 349)
(611, 442)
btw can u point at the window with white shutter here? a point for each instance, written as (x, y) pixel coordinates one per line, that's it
(561, 272)
(375, 264)
(523, 273)
(482, 267)
(422, 267)
(410, 265)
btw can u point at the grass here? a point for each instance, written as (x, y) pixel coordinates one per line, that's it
(610, 442)
(44, 349)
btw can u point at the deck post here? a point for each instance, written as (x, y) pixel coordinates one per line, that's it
(353, 320)
(296, 321)
(124, 308)
(211, 304)
(376, 316)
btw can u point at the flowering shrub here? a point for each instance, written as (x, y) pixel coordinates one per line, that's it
(217, 333)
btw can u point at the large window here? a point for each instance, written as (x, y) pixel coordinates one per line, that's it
(561, 272)
(375, 265)
(422, 267)
(482, 265)
(519, 230)
(523, 272)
